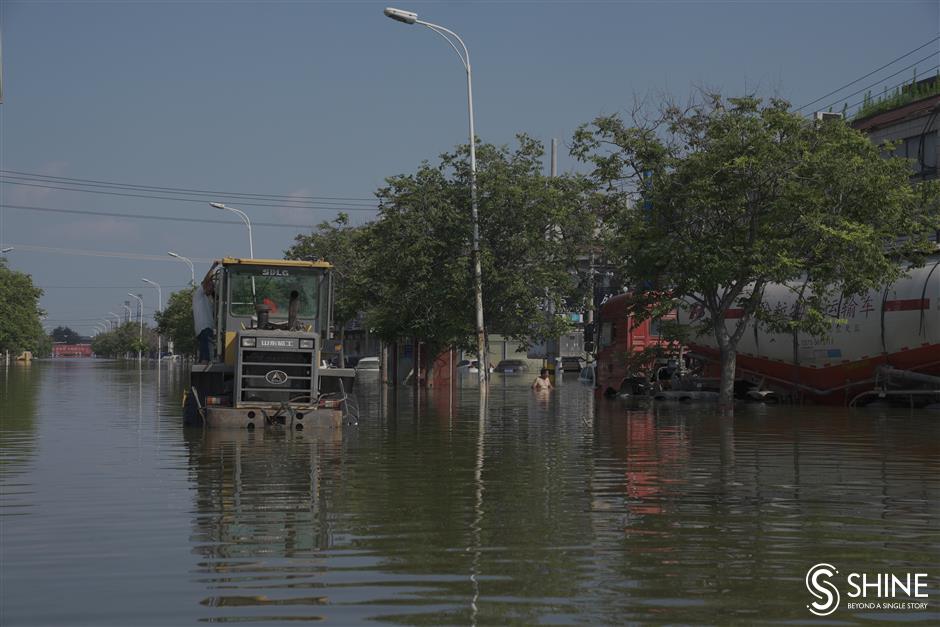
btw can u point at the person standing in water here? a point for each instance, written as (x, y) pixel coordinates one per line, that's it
(542, 382)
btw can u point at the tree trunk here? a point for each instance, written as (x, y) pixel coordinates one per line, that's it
(729, 356)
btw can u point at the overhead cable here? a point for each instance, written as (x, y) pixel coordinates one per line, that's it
(103, 287)
(895, 86)
(903, 69)
(141, 216)
(102, 253)
(169, 189)
(906, 54)
(282, 205)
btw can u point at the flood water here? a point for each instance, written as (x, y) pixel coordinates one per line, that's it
(553, 508)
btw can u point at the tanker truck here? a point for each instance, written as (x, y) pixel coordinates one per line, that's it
(884, 344)
(271, 348)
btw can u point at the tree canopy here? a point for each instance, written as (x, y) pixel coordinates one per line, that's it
(175, 322)
(20, 326)
(67, 335)
(713, 201)
(410, 271)
(125, 340)
(347, 248)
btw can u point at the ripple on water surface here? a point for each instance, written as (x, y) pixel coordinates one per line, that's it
(544, 507)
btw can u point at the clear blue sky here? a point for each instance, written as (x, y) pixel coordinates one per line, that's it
(313, 98)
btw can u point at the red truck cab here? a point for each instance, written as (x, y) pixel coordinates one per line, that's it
(626, 346)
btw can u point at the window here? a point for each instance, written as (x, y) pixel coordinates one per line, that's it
(654, 326)
(273, 287)
(924, 160)
(607, 334)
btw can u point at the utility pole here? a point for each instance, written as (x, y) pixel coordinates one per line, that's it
(559, 374)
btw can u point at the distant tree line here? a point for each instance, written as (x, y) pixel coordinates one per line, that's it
(125, 340)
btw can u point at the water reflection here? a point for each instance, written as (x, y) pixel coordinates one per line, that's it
(443, 508)
(723, 509)
(261, 516)
(19, 389)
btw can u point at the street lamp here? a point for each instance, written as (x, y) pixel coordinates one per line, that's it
(117, 317)
(244, 217)
(409, 17)
(192, 272)
(140, 331)
(160, 309)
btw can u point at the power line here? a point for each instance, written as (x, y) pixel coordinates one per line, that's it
(141, 216)
(104, 287)
(906, 54)
(855, 93)
(175, 190)
(282, 205)
(895, 86)
(103, 253)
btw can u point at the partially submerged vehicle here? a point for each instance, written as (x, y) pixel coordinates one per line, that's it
(630, 349)
(271, 349)
(883, 346)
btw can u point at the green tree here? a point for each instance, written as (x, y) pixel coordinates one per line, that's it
(125, 340)
(175, 322)
(713, 201)
(43, 347)
(20, 327)
(347, 247)
(67, 335)
(419, 267)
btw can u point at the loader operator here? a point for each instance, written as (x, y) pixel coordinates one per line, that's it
(203, 319)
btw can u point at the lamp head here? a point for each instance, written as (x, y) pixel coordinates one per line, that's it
(406, 17)
(171, 253)
(217, 205)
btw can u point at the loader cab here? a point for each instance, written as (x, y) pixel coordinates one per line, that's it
(270, 295)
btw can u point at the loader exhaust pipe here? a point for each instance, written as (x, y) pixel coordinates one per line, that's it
(293, 308)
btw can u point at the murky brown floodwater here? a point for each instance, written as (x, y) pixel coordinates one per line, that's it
(550, 509)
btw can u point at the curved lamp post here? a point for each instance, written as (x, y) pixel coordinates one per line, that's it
(409, 17)
(244, 217)
(192, 272)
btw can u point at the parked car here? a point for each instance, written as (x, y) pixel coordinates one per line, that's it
(512, 366)
(368, 363)
(571, 364)
(469, 365)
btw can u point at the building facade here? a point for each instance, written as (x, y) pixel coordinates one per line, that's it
(912, 127)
